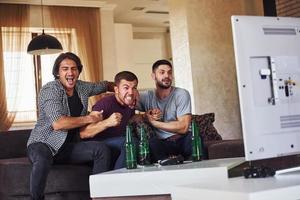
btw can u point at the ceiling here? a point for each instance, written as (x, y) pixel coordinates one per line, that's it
(141, 12)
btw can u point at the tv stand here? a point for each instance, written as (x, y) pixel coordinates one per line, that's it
(286, 163)
(258, 172)
(288, 170)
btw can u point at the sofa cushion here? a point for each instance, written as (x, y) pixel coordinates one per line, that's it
(137, 122)
(15, 173)
(206, 126)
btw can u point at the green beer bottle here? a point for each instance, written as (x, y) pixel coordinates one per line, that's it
(196, 143)
(130, 150)
(144, 152)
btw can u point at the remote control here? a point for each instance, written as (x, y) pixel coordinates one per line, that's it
(173, 160)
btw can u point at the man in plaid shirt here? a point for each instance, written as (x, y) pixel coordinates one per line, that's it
(62, 111)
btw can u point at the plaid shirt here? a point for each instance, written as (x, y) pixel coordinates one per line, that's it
(53, 103)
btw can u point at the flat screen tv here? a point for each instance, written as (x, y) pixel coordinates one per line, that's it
(267, 55)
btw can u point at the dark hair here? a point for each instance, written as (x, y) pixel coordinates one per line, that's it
(125, 75)
(160, 62)
(61, 57)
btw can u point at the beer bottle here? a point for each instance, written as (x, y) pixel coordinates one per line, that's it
(196, 143)
(144, 152)
(130, 150)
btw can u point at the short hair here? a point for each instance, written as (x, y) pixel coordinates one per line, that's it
(125, 75)
(160, 62)
(61, 57)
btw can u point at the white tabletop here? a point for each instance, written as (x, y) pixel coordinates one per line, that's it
(159, 179)
(280, 187)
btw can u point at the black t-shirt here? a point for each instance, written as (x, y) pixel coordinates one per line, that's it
(75, 107)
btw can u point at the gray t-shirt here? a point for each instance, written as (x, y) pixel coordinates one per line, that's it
(177, 104)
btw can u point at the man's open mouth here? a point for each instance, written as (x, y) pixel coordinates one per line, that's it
(70, 80)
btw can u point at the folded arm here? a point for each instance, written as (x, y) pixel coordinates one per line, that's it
(179, 126)
(67, 122)
(93, 129)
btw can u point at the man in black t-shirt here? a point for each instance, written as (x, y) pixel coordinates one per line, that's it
(116, 110)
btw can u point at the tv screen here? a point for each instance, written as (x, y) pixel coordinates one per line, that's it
(267, 55)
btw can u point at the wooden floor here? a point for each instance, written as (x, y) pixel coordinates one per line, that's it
(142, 197)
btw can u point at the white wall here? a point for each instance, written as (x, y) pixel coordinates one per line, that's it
(146, 52)
(137, 55)
(203, 54)
(123, 45)
(108, 44)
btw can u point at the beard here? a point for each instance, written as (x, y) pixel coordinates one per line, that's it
(164, 85)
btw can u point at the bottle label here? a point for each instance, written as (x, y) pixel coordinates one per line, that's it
(130, 150)
(196, 153)
(130, 156)
(196, 143)
(144, 154)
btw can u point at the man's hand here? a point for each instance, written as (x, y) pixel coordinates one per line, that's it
(95, 116)
(114, 119)
(97, 127)
(154, 115)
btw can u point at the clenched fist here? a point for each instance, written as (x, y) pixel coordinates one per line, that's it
(114, 119)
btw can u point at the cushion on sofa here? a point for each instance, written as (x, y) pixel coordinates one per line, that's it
(204, 122)
(206, 126)
(137, 122)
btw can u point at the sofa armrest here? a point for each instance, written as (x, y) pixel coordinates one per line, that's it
(13, 144)
(225, 149)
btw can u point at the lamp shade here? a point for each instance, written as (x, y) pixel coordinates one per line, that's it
(44, 44)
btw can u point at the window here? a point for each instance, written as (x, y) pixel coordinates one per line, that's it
(21, 70)
(20, 85)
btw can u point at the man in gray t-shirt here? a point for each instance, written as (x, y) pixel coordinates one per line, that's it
(168, 110)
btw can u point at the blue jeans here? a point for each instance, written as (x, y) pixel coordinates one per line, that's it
(118, 151)
(163, 148)
(42, 159)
